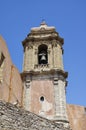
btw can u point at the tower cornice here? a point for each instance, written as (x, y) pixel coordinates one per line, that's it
(52, 72)
(43, 32)
(32, 38)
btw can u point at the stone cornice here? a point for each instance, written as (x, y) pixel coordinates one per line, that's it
(38, 39)
(52, 72)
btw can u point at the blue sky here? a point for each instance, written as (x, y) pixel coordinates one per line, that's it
(69, 18)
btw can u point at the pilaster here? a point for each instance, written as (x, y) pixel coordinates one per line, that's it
(27, 94)
(54, 46)
(59, 57)
(28, 58)
(60, 100)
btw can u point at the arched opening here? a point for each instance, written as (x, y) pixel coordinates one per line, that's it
(42, 54)
(41, 98)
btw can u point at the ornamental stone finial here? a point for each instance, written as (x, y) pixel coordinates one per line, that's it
(43, 22)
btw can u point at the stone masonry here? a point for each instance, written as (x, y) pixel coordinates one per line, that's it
(44, 80)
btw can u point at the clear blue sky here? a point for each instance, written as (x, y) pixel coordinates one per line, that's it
(69, 18)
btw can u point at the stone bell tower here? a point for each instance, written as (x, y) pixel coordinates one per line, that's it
(43, 74)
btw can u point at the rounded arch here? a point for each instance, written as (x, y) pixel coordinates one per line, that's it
(42, 54)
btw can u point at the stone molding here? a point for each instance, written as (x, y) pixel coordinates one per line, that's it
(61, 40)
(56, 72)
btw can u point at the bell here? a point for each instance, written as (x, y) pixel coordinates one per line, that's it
(43, 57)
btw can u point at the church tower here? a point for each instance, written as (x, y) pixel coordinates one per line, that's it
(43, 74)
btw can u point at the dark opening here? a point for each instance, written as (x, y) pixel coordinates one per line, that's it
(42, 98)
(42, 54)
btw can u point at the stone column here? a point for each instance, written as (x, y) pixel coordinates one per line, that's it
(27, 94)
(60, 100)
(57, 55)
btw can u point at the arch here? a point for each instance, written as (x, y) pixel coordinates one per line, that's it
(42, 54)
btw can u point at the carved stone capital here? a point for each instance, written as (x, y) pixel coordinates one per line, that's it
(27, 83)
(55, 81)
(30, 45)
(54, 44)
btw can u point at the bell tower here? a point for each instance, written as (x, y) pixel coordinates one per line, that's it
(43, 74)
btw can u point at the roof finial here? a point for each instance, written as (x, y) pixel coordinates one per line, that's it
(43, 22)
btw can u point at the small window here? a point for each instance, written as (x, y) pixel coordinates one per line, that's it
(41, 98)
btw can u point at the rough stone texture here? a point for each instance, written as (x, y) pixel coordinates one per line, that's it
(14, 118)
(60, 100)
(77, 117)
(43, 35)
(11, 85)
(41, 88)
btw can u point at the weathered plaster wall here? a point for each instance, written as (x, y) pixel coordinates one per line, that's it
(4, 85)
(16, 88)
(14, 118)
(42, 88)
(77, 117)
(11, 85)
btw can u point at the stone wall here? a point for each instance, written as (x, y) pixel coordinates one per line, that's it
(77, 117)
(14, 118)
(11, 84)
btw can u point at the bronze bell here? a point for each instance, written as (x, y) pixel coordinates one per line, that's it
(43, 57)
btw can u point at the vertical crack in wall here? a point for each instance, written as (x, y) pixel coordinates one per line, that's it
(10, 85)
